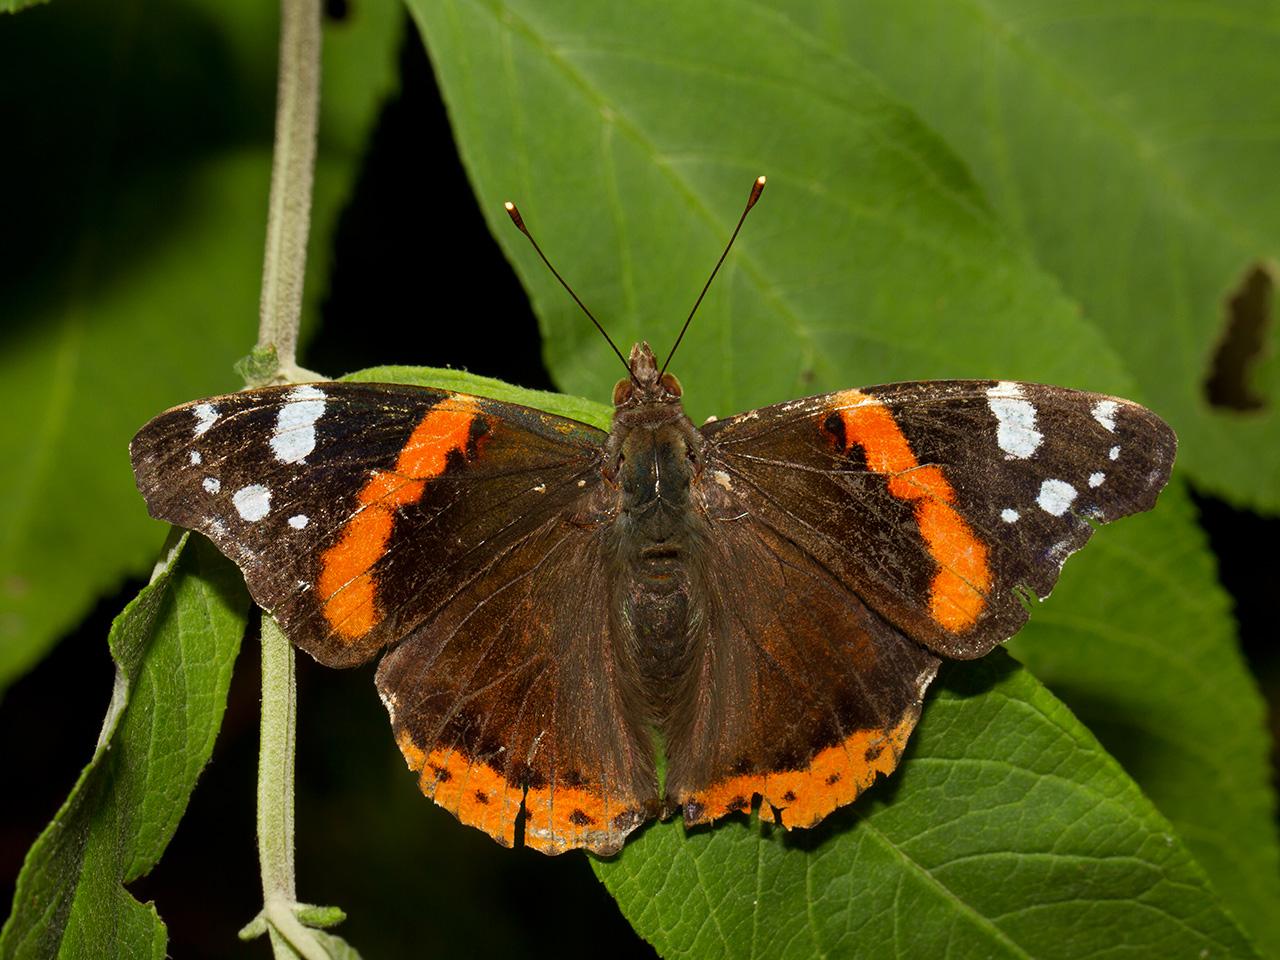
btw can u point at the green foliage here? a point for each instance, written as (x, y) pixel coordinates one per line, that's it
(174, 647)
(137, 231)
(954, 190)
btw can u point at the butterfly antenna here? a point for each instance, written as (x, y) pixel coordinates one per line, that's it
(757, 188)
(518, 220)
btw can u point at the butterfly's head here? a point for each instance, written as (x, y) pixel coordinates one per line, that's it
(647, 384)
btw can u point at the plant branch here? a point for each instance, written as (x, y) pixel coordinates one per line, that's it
(275, 360)
(289, 215)
(276, 765)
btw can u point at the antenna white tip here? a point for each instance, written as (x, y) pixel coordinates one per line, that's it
(509, 205)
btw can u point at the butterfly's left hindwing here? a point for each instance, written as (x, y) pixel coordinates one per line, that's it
(356, 510)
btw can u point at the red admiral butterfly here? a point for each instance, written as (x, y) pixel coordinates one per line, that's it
(769, 593)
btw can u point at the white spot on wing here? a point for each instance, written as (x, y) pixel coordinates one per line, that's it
(1009, 515)
(1016, 431)
(1114, 453)
(298, 521)
(196, 459)
(211, 484)
(1104, 411)
(206, 414)
(1095, 479)
(540, 488)
(295, 433)
(1055, 497)
(252, 502)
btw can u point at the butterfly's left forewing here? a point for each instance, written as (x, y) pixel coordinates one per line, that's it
(945, 504)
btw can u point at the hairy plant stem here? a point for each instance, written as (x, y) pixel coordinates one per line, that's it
(275, 797)
(293, 162)
(283, 271)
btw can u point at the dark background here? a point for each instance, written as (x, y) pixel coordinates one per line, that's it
(412, 880)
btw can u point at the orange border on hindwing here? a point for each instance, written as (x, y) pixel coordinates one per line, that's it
(833, 778)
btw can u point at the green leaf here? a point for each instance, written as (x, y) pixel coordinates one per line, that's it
(629, 137)
(139, 228)
(563, 404)
(1138, 640)
(174, 648)
(1007, 832)
(1133, 147)
(13, 6)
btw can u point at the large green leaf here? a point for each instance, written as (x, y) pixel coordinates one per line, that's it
(1007, 832)
(136, 218)
(1138, 640)
(629, 137)
(174, 647)
(1134, 147)
(13, 6)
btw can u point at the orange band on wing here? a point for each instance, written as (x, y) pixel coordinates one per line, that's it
(835, 776)
(958, 593)
(345, 580)
(557, 818)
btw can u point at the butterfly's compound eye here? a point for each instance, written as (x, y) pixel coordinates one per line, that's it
(672, 385)
(622, 392)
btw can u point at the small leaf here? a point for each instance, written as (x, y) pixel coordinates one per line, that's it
(333, 946)
(1007, 832)
(174, 647)
(310, 917)
(324, 917)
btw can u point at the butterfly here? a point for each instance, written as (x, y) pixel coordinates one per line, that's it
(767, 596)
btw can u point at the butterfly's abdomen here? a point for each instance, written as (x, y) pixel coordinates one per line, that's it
(656, 555)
